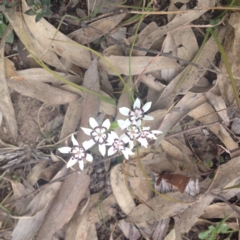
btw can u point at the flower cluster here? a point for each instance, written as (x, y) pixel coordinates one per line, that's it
(101, 135)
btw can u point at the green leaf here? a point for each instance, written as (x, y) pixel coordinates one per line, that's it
(30, 2)
(47, 13)
(204, 235)
(37, 2)
(30, 12)
(38, 17)
(3, 28)
(113, 126)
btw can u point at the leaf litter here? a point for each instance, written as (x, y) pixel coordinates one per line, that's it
(169, 184)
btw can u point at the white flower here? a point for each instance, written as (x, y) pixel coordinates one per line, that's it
(146, 135)
(118, 144)
(79, 154)
(131, 133)
(136, 116)
(99, 135)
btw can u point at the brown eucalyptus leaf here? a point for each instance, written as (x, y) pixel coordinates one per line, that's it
(107, 210)
(90, 104)
(42, 92)
(70, 123)
(169, 46)
(120, 190)
(79, 226)
(206, 114)
(64, 205)
(151, 27)
(96, 29)
(129, 230)
(138, 64)
(20, 190)
(74, 187)
(104, 6)
(41, 75)
(44, 32)
(35, 212)
(218, 210)
(189, 102)
(31, 42)
(224, 175)
(180, 20)
(182, 38)
(162, 208)
(176, 87)
(35, 173)
(6, 106)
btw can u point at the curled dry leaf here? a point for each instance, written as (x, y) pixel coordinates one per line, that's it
(181, 182)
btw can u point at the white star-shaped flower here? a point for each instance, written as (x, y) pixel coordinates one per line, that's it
(146, 135)
(131, 133)
(98, 133)
(136, 115)
(79, 154)
(118, 145)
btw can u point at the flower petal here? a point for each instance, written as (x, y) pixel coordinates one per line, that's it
(89, 157)
(125, 124)
(143, 142)
(131, 144)
(111, 137)
(156, 132)
(124, 111)
(102, 149)
(65, 150)
(137, 104)
(71, 162)
(111, 151)
(124, 138)
(93, 123)
(147, 106)
(106, 124)
(88, 144)
(146, 117)
(138, 122)
(81, 165)
(87, 130)
(74, 141)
